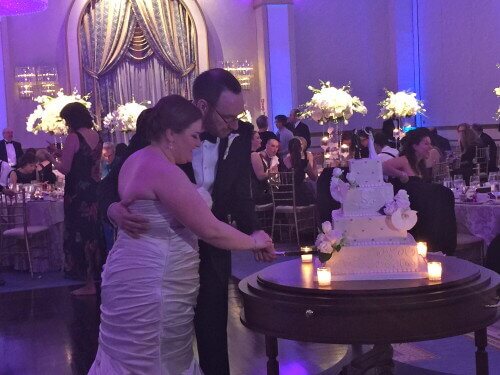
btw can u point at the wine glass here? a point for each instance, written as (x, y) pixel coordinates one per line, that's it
(474, 182)
(458, 182)
(447, 182)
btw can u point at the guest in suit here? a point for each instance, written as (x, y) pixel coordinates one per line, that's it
(108, 158)
(44, 167)
(10, 150)
(440, 142)
(264, 133)
(486, 140)
(297, 127)
(388, 127)
(263, 163)
(25, 172)
(221, 166)
(284, 135)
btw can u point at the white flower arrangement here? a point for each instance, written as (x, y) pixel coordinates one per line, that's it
(497, 114)
(331, 104)
(339, 187)
(46, 117)
(400, 104)
(124, 118)
(328, 242)
(402, 216)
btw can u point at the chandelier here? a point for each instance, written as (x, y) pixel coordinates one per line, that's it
(18, 7)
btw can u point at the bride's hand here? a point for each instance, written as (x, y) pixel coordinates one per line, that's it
(264, 247)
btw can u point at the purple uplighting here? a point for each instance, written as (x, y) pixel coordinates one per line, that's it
(18, 7)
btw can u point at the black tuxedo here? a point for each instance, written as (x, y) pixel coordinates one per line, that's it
(301, 130)
(231, 196)
(3, 150)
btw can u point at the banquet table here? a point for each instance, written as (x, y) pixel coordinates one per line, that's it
(481, 220)
(48, 213)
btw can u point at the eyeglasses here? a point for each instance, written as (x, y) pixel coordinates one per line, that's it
(228, 119)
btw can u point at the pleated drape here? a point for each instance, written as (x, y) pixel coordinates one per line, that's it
(105, 33)
(113, 77)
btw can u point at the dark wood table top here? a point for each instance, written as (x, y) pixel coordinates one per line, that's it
(284, 301)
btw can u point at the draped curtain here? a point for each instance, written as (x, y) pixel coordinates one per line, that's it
(139, 49)
(105, 33)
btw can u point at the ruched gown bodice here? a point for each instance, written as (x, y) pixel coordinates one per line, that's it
(149, 291)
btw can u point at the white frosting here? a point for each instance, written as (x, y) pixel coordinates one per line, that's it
(367, 172)
(368, 230)
(366, 200)
(377, 262)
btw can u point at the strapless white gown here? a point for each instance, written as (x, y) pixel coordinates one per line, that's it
(149, 291)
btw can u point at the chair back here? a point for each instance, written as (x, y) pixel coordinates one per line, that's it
(13, 212)
(481, 160)
(283, 188)
(440, 171)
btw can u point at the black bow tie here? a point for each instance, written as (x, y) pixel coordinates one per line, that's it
(206, 136)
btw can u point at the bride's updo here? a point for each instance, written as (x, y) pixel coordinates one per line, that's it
(171, 112)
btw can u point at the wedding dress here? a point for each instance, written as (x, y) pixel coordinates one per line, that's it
(149, 290)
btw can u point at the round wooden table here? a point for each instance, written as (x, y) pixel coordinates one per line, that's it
(284, 301)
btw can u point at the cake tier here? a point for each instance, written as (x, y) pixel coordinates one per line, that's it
(378, 263)
(367, 172)
(363, 201)
(368, 230)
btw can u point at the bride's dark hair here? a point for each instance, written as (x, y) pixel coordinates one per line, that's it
(171, 112)
(414, 137)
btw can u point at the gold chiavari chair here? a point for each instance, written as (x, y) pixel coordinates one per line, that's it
(287, 214)
(481, 161)
(16, 233)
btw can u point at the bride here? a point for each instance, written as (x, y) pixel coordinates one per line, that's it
(150, 284)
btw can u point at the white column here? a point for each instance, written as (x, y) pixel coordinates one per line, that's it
(276, 55)
(3, 99)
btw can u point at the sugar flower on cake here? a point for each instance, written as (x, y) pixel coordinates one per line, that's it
(328, 242)
(331, 104)
(124, 118)
(46, 117)
(338, 187)
(401, 215)
(400, 104)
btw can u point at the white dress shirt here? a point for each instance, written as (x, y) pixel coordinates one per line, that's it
(389, 150)
(204, 162)
(4, 173)
(11, 154)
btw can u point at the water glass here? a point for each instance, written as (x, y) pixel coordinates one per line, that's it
(475, 182)
(492, 177)
(447, 182)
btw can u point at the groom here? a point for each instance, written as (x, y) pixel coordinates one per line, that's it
(222, 166)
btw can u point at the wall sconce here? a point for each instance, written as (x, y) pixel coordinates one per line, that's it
(242, 70)
(33, 81)
(46, 78)
(25, 81)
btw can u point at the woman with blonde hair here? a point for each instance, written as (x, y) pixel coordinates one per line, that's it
(469, 141)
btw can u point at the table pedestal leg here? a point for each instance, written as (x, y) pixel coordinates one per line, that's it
(378, 361)
(481, 339)
(273, 367)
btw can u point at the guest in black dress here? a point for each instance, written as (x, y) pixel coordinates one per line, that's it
(263, 163)
(301, 162)
(81, 155)
(25, 171)
(469, 141)
(435, 204)
(44, 167)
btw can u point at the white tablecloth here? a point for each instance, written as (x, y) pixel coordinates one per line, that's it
(481, 220)
(51, 214)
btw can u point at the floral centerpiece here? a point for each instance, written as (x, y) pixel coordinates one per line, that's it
(124, 118)
(402, 217)
(400, 104)
(497, 114)
(340, 184)
(328, 242)
(331, 104)
(46, 117)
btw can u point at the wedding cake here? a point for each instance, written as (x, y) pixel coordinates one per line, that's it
(374, 227)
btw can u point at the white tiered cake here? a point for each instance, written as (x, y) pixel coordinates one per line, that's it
(374, 249)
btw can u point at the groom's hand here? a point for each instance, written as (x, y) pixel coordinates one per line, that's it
(134, 225)
(266, 254)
